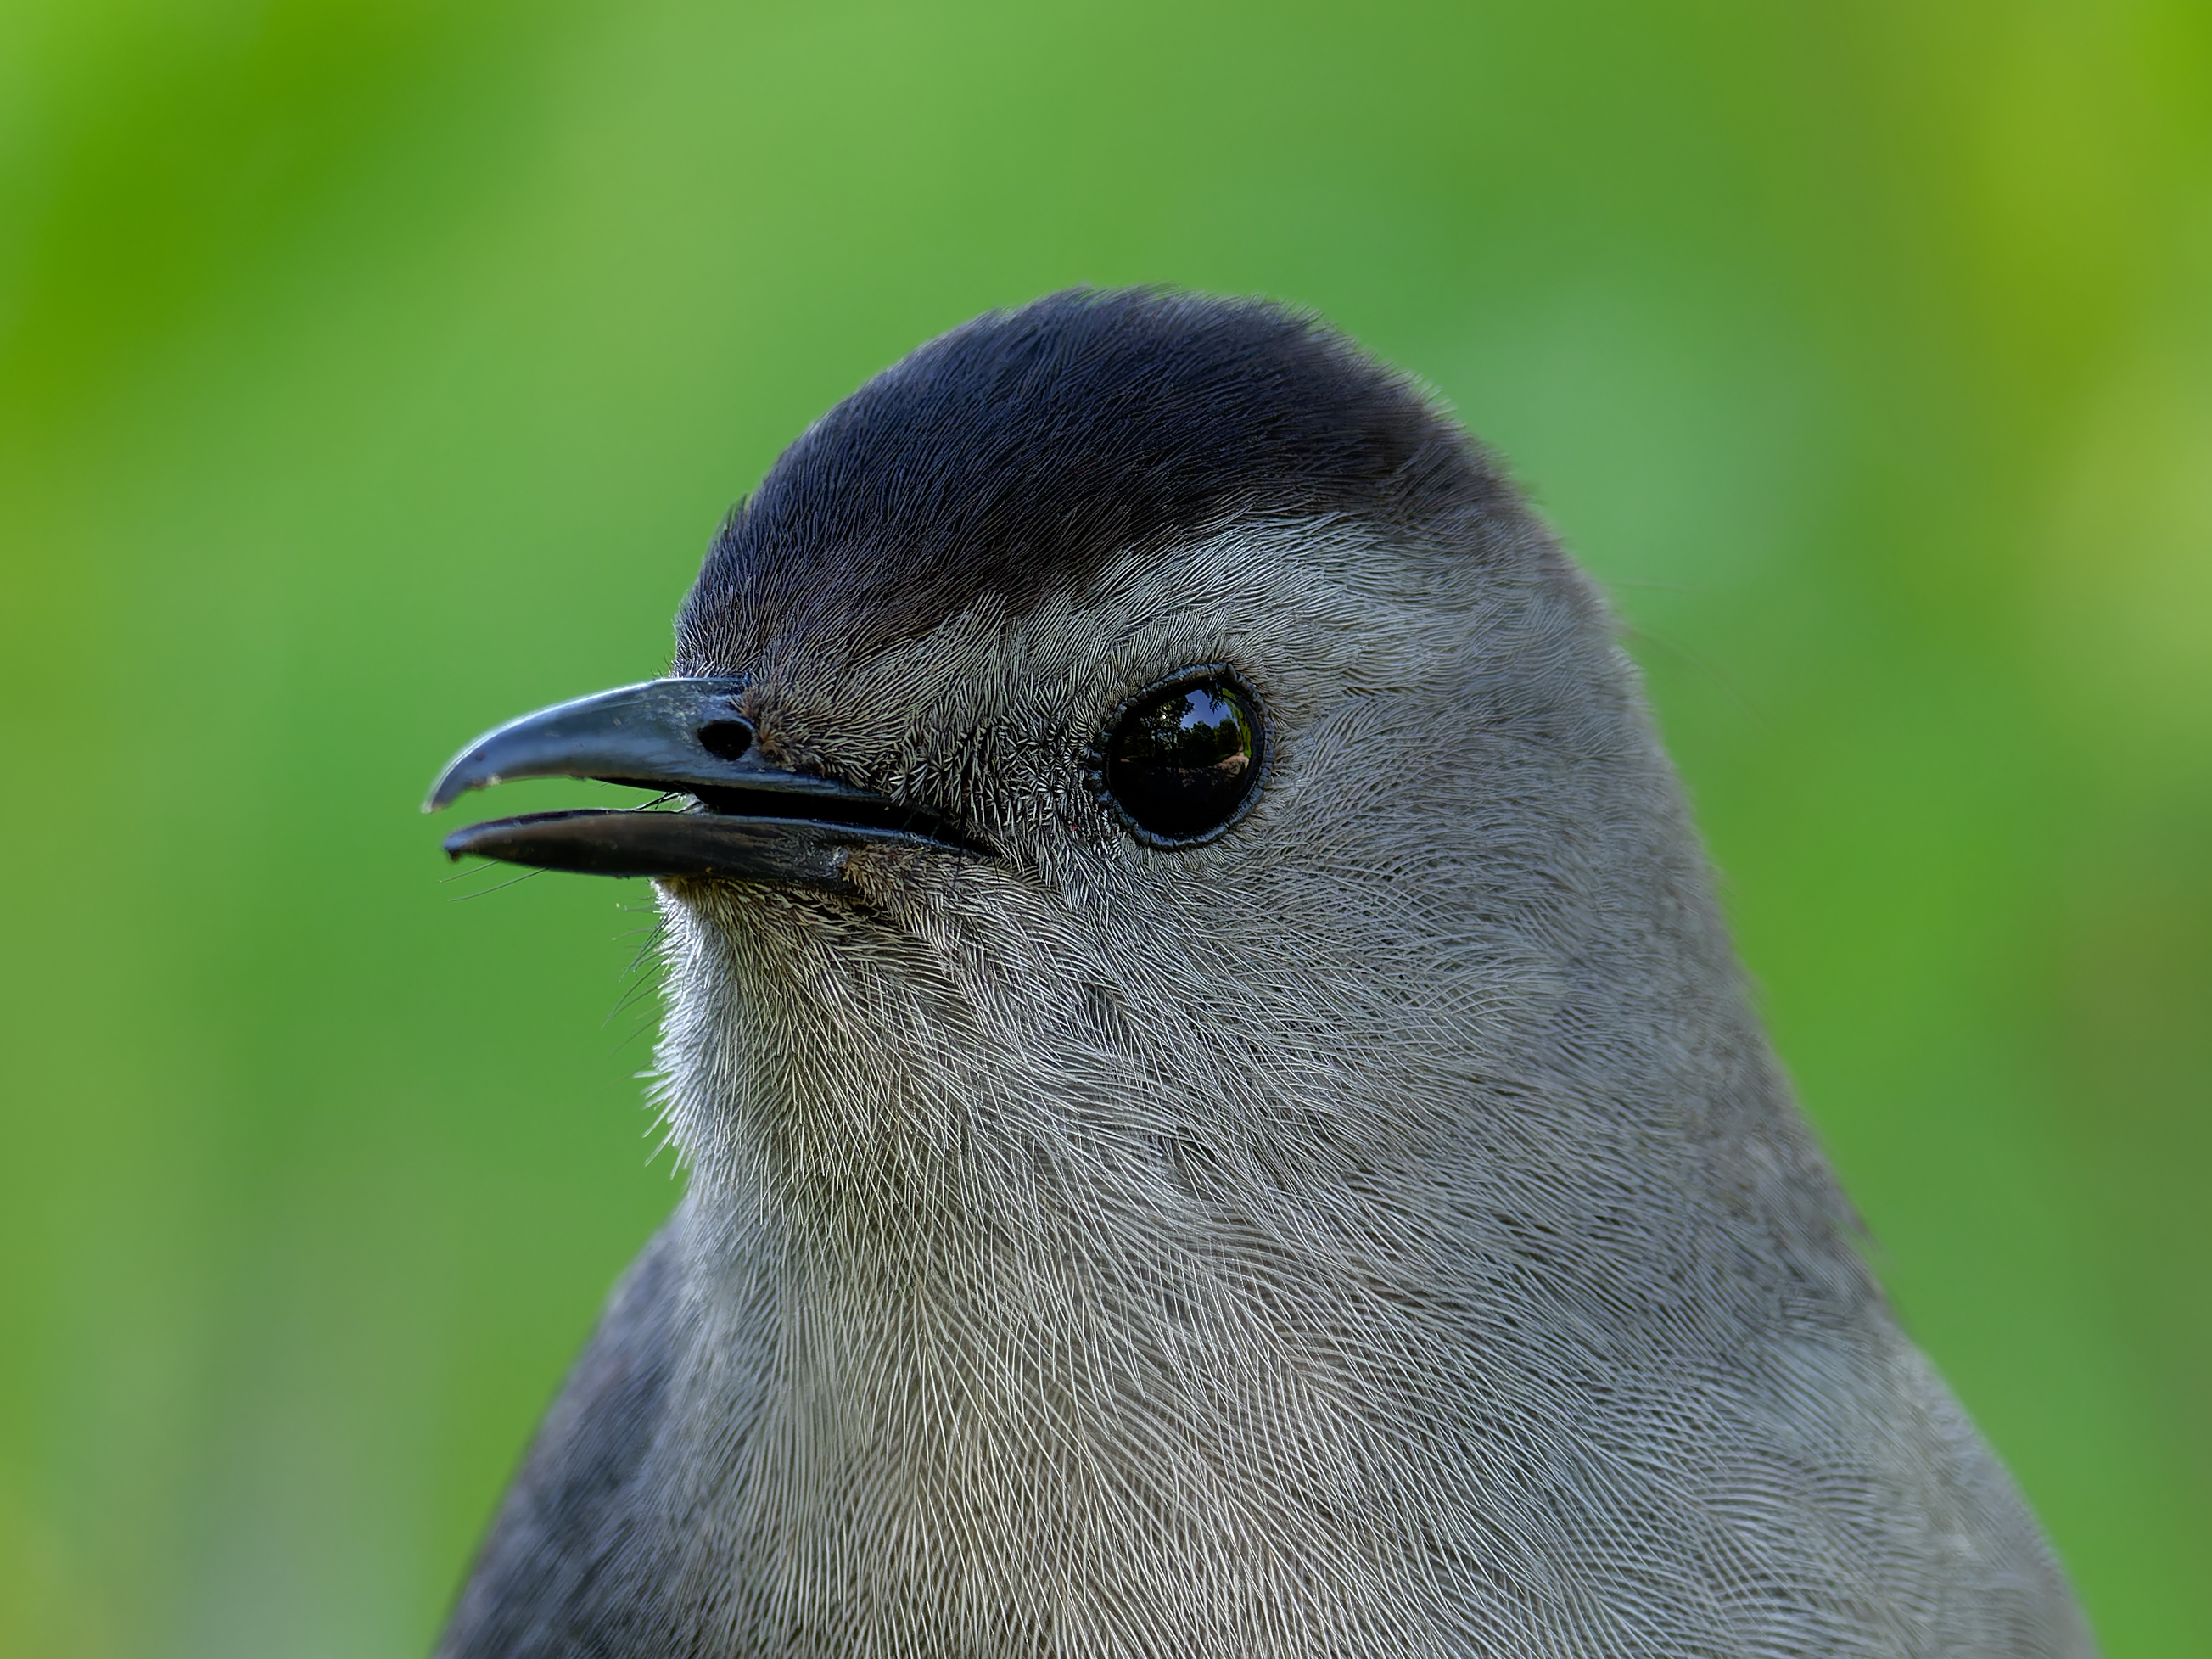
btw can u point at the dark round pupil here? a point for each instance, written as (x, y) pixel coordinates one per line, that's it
(1181, 764)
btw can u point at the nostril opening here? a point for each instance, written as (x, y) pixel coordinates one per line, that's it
(727, 739)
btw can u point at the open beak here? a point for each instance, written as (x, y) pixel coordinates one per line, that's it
(752, 821)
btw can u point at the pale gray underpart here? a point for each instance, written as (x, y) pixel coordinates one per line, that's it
(1383, 1231)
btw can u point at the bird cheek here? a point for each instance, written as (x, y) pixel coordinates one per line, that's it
(903, 886)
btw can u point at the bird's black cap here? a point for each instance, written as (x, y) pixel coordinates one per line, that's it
(1022, 451)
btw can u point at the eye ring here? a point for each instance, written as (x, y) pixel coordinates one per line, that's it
(1180, 762)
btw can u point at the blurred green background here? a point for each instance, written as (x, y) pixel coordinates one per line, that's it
(372, 370)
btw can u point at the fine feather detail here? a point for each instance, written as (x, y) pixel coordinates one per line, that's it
(1382, 1229)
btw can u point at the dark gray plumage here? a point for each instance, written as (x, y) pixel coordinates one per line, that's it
(1380, 1228)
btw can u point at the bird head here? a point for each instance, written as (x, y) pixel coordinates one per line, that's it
(1151, 775)
(1222, 1116)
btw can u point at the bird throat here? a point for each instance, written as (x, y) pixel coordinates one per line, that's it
(983, 1319)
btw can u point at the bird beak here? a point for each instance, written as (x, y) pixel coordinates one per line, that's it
(752, 821)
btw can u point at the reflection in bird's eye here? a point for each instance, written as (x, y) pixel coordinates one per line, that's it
(1182, 760)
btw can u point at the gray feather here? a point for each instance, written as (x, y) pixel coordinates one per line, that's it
(1382, 1231)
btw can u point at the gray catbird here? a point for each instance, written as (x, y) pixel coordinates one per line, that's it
(1220, 1115)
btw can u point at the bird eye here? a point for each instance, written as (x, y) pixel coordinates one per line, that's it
(1181, 759)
